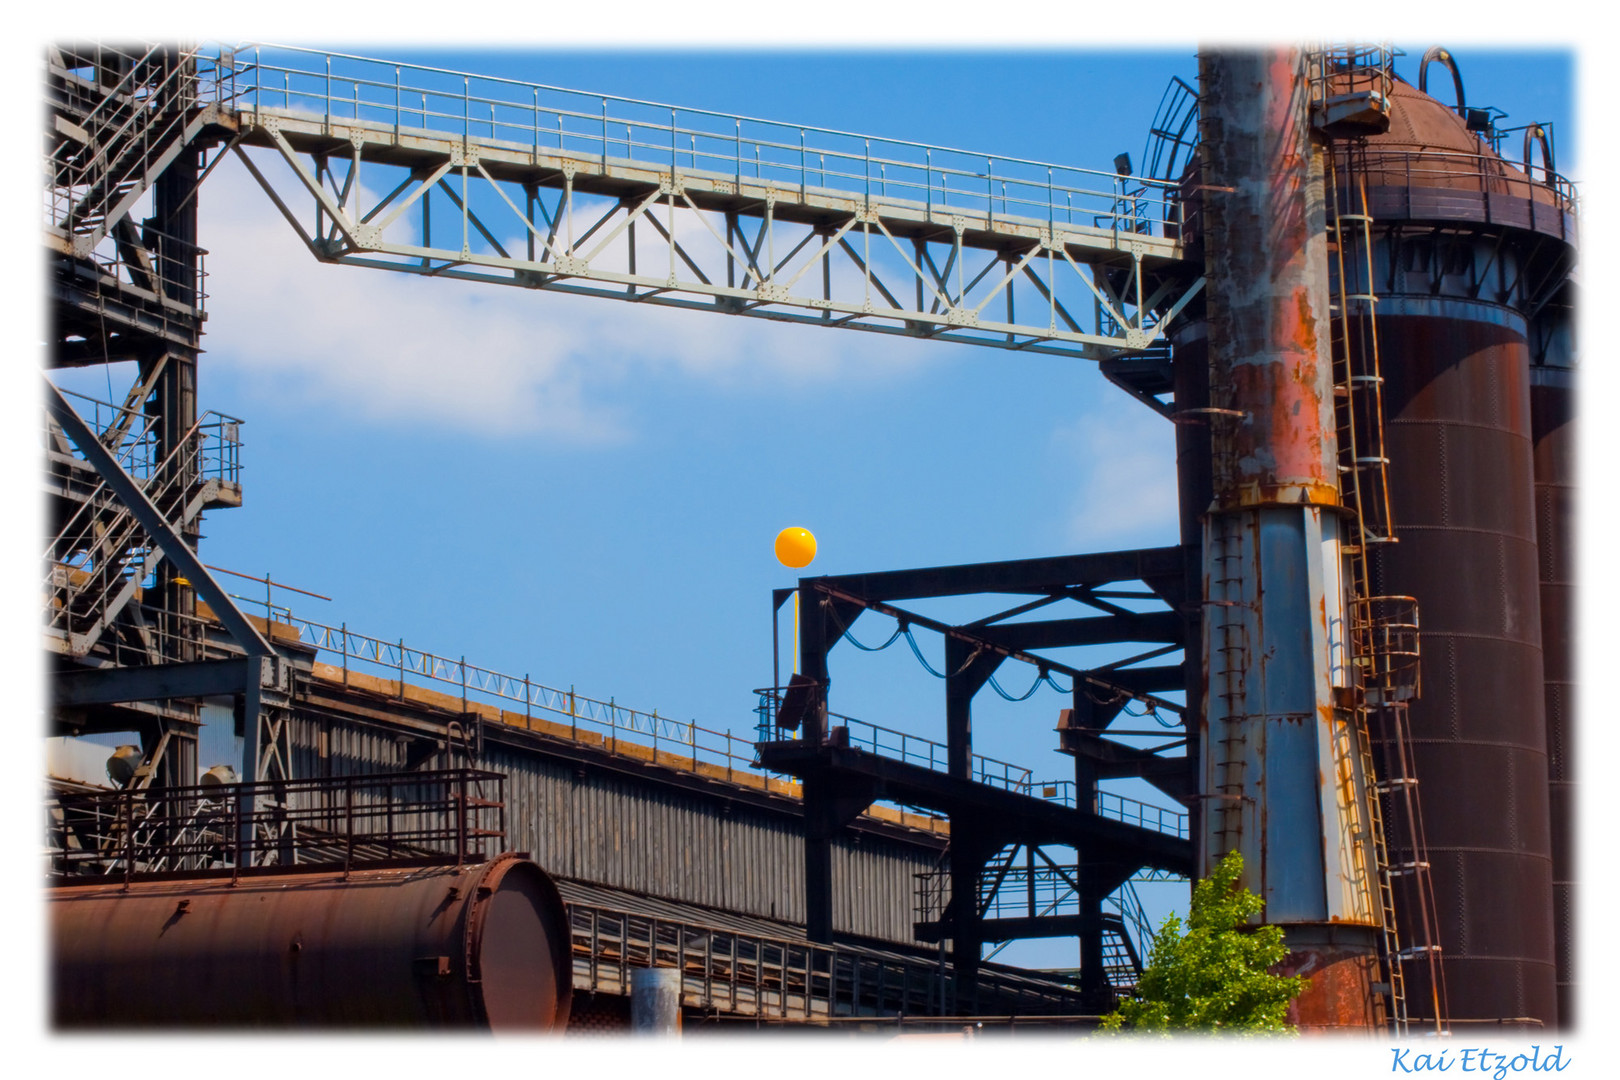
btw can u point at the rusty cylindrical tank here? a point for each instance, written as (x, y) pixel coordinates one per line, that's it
(483, 946)
(1552, 428)
(1459, 247)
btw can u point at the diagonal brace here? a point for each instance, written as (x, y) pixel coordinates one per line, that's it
(157, 527)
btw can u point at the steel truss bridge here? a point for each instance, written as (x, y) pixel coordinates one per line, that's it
(546, 188)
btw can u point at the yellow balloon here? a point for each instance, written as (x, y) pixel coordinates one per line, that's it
(795, 547)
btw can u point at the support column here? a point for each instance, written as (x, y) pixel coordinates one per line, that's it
(1274, 601)
(1086, 718)
(968, 856)
(817, 789)
(1190, 345)
(960, 687)
(966, 671)
(172, 241)
(171, 237)
(1094, 985)
(818, 883)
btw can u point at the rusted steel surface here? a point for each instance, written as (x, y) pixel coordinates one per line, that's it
(1465, 487)
(483, 946)
(1458, 429)
(1430, 166)
(1273, 773)
(1266, 264)
(1552, 423)
(1340, 963)
(1458, 432)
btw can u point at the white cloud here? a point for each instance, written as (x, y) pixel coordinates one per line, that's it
(1125, 469)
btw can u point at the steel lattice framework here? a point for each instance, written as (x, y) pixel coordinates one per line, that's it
(433, 172)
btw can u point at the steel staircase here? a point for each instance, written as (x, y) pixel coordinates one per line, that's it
(118, 118)
(1049, 891)
(99, 557)
(1120, 960)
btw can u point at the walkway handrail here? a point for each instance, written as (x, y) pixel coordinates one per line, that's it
(344, 88)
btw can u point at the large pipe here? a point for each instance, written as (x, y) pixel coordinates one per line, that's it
(484, 946)
(1276, 779)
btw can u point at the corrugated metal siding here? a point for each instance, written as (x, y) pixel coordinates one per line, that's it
(350, 748)
(660, 840)
(875, 882)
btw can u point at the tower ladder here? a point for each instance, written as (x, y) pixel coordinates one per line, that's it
(1384, 630)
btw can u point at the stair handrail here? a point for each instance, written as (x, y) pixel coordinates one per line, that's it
(149, 121)
(118, 530)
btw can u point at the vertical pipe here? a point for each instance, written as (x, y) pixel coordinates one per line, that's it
(1271, 549)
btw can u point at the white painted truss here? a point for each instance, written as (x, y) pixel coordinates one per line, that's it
(436, 173)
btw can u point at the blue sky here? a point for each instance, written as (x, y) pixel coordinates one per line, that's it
(586, 492)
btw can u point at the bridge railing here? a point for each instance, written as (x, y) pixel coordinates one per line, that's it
(683, 743)
(602, 129)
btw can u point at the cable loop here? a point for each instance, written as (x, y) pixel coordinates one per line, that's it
(849, 636)
(1034, 686)
(844, 629)
(912, 641)
(1053, 684)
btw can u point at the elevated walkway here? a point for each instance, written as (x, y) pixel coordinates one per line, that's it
(735, 214)
(1032, 819)
(741, 967)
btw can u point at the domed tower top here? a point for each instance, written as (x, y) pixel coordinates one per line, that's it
(1430, 165)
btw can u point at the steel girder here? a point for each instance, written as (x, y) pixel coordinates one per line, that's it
(445, 175)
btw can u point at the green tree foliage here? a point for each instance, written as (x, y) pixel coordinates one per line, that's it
(1212, 976)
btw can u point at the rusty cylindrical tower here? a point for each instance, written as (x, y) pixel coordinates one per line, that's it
(1466, 250)
(482, 946)
(1552, 427)
(1277, 785)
